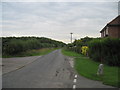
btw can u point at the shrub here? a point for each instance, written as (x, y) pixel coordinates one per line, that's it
(15, 45)
(84, 50)
(105, 50)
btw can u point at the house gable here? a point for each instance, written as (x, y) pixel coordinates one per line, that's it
(112, 29)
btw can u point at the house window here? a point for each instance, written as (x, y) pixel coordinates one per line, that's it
(107, 31)
(104, 33)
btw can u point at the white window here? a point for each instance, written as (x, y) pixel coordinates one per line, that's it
(107, 31)
(104, 33)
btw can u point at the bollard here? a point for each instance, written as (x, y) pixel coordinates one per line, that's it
(100, 69)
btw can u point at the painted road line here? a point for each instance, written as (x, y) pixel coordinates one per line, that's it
(75, 80)
(74, 86)
(75, 76)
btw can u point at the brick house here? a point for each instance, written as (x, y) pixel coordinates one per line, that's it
(112, 29)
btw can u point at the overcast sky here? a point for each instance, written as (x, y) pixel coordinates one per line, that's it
(56, 19)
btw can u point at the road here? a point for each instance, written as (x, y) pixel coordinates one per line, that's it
(11, 64)
(49, 71)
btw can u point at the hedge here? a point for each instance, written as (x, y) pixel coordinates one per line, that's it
(106, 50)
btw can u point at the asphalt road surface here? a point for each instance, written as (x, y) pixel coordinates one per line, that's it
(49, 71)
(11, 64)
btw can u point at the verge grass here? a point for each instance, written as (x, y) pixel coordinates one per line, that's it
(88, 68)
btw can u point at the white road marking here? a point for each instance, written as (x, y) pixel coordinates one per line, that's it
(74, 86)
(75, 80)
(75, 76)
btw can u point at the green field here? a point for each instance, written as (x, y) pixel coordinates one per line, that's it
(88, 68)
(34, 52)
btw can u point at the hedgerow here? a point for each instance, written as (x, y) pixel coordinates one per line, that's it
(106, 50)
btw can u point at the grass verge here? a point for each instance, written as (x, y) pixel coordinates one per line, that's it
(37, 52)
(88, 68)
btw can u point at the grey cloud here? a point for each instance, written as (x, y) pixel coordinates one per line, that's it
(57, 20)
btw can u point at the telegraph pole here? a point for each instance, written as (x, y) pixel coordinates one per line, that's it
(71, 37)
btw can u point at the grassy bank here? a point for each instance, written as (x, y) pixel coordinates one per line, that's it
(88, 68)
(36, 52)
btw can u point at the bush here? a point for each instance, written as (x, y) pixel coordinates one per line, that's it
(105, 50)
(84, 50)
(15, 45)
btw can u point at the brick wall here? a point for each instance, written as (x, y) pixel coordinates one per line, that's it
(114, 32)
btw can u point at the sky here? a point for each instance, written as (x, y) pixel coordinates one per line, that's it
(56, 20)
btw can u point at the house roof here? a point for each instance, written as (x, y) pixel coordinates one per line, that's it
(114, 22)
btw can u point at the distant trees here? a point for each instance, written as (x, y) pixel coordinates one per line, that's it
(15, 45)
(77, 44)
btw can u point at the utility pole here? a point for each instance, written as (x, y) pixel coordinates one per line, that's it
(71, 37)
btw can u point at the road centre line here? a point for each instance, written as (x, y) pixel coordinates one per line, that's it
(75, 76)
(74, 86)
(75, 80)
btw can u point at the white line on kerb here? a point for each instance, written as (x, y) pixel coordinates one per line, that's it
(74, 86)
(75, 76)
(75, 80)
